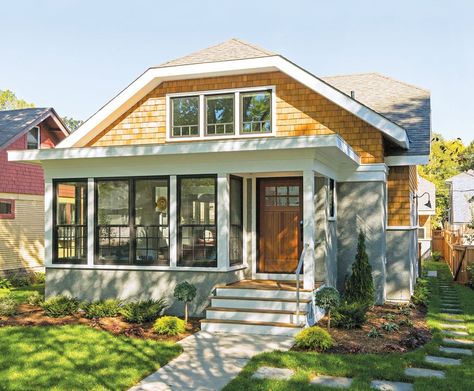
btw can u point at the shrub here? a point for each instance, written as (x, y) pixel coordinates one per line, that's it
(142, 311)
(7, 306)
(421, 293)
(5, 283)
(389, 317)
(436, 256)
(169, 325)
(19, 281)
(406, 322)
(35, 298)
(37, 278)
(374, 333)
(390, 327)
(327, 298)
(314, 338)
(350, 315)
(359, 287)
(405, 310)
(185, 292)
(101, 309)
(58, 306)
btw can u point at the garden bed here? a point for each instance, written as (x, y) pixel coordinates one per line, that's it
(29, 315)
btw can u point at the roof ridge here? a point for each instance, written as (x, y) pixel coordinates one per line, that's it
(265, 51)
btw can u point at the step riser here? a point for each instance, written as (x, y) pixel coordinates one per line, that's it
(257, 304)
(264, 293)
(254, 316)
(248, 329)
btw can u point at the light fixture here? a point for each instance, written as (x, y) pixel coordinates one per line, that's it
(428, 204)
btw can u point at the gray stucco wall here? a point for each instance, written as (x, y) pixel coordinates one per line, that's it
(95, 284)
(401, 264)
(361, 206)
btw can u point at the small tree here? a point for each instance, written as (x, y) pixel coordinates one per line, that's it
(185, 292)
(359, 287)
(327, 298)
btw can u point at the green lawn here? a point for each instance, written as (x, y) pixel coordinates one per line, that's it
(366, 367)
(21, 294)
(76, 358)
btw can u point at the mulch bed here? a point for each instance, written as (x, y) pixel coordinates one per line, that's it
(405, 339)
(29, 315)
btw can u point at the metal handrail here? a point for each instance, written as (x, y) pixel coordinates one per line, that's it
(297, 273)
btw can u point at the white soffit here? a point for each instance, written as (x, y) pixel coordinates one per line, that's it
(155, 76)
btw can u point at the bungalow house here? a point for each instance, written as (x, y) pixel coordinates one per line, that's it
(241, 172)
(426, 201)
(461, 199)
(22, 187)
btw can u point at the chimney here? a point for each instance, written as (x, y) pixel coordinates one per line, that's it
(353, 94)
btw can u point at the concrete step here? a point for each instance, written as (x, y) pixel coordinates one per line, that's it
(256, 315)
(258, 303)
(261, 292)
(246, 327)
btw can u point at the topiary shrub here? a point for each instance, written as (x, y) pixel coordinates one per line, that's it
(327, 298)
(142, 311)
(313, 338)
(185, 292)
(8, 306)
(58, 306)
(359, 287)
(350, 315)
(35, 298)
(101, 308)
(169, 325)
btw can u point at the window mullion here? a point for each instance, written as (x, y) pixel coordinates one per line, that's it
(202, 115)
(237, 113)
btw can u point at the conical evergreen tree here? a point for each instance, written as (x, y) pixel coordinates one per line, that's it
(359, 287)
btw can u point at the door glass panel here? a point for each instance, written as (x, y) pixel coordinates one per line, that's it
(282, 201)
(282, 190)
(294, 201)
(270, 201)
(270, 190)
(294, 190)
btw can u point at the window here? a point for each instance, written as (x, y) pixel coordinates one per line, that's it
(332, 198)
(197, 229)
(236, 221)
(132, 222)
(282, 195)
(70, 222)
(7, 209)
(185, 116)
(256, 112)
(219, 114)
(33, 138)
(421, 233)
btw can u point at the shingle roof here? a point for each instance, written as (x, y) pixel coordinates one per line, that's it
(233, 49)
(406, 105)
(14, 123)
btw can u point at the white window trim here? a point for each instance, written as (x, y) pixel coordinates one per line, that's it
(38, 145)
(237, 110)
(424, 232)
(332, 218)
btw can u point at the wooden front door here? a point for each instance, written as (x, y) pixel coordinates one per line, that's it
(280, 215)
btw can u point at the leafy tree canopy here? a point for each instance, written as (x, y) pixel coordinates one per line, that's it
(9, 101)
(72, 123)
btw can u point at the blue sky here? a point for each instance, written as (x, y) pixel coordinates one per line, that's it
(75, 55)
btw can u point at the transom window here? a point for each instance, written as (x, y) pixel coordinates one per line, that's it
(33, 138)
(221, 114)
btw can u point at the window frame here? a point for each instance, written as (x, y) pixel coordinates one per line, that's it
(56, 182)
(241, 118)
(11, 215)
(131, 221)
(171, 124)
(38, 144)
(206, 124)
(178, 214)
(203, 114)
(333, 216)
(241, 180)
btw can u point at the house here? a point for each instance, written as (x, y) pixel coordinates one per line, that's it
(228, 167)
(461, 199)
(426, 206)
(22, 187)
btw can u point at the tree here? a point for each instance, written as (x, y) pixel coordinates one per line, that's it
(185, 292)
(72, 123)
(467, 158)
(359, 287)
(9, 101)
(327, 298)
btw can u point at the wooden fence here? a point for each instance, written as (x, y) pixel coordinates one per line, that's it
(457, 256)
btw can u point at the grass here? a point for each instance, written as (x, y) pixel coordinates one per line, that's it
(366, 367)
(76, 358)
(20, 295)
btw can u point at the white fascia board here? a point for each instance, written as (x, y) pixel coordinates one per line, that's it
(414, 160)
(154, 76)
(376, 172)
(192, 147)
(427, 213)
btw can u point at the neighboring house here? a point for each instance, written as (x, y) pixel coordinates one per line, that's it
(461, 199)
(426, 208)
(22, 187)
(219, 168)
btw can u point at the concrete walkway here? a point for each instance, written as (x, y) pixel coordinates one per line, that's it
(210, 361)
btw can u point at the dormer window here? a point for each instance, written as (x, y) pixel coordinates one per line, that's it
(33, 138)
(241, 112)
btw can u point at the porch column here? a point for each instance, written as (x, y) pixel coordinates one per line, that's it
(309, 230)
(173, 218)
(90, 221)
(223, 220)
(48, 219)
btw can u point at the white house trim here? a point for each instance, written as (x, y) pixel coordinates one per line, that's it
(407, 160)
(153, 77)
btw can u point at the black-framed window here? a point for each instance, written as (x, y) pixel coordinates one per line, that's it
(256, 112)
(33, 138)
(197, 221)
(332, 198)
(185, 116)
(236, 221)
(7, 209)
(70, 222)
(132, 225)
(219, 114)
